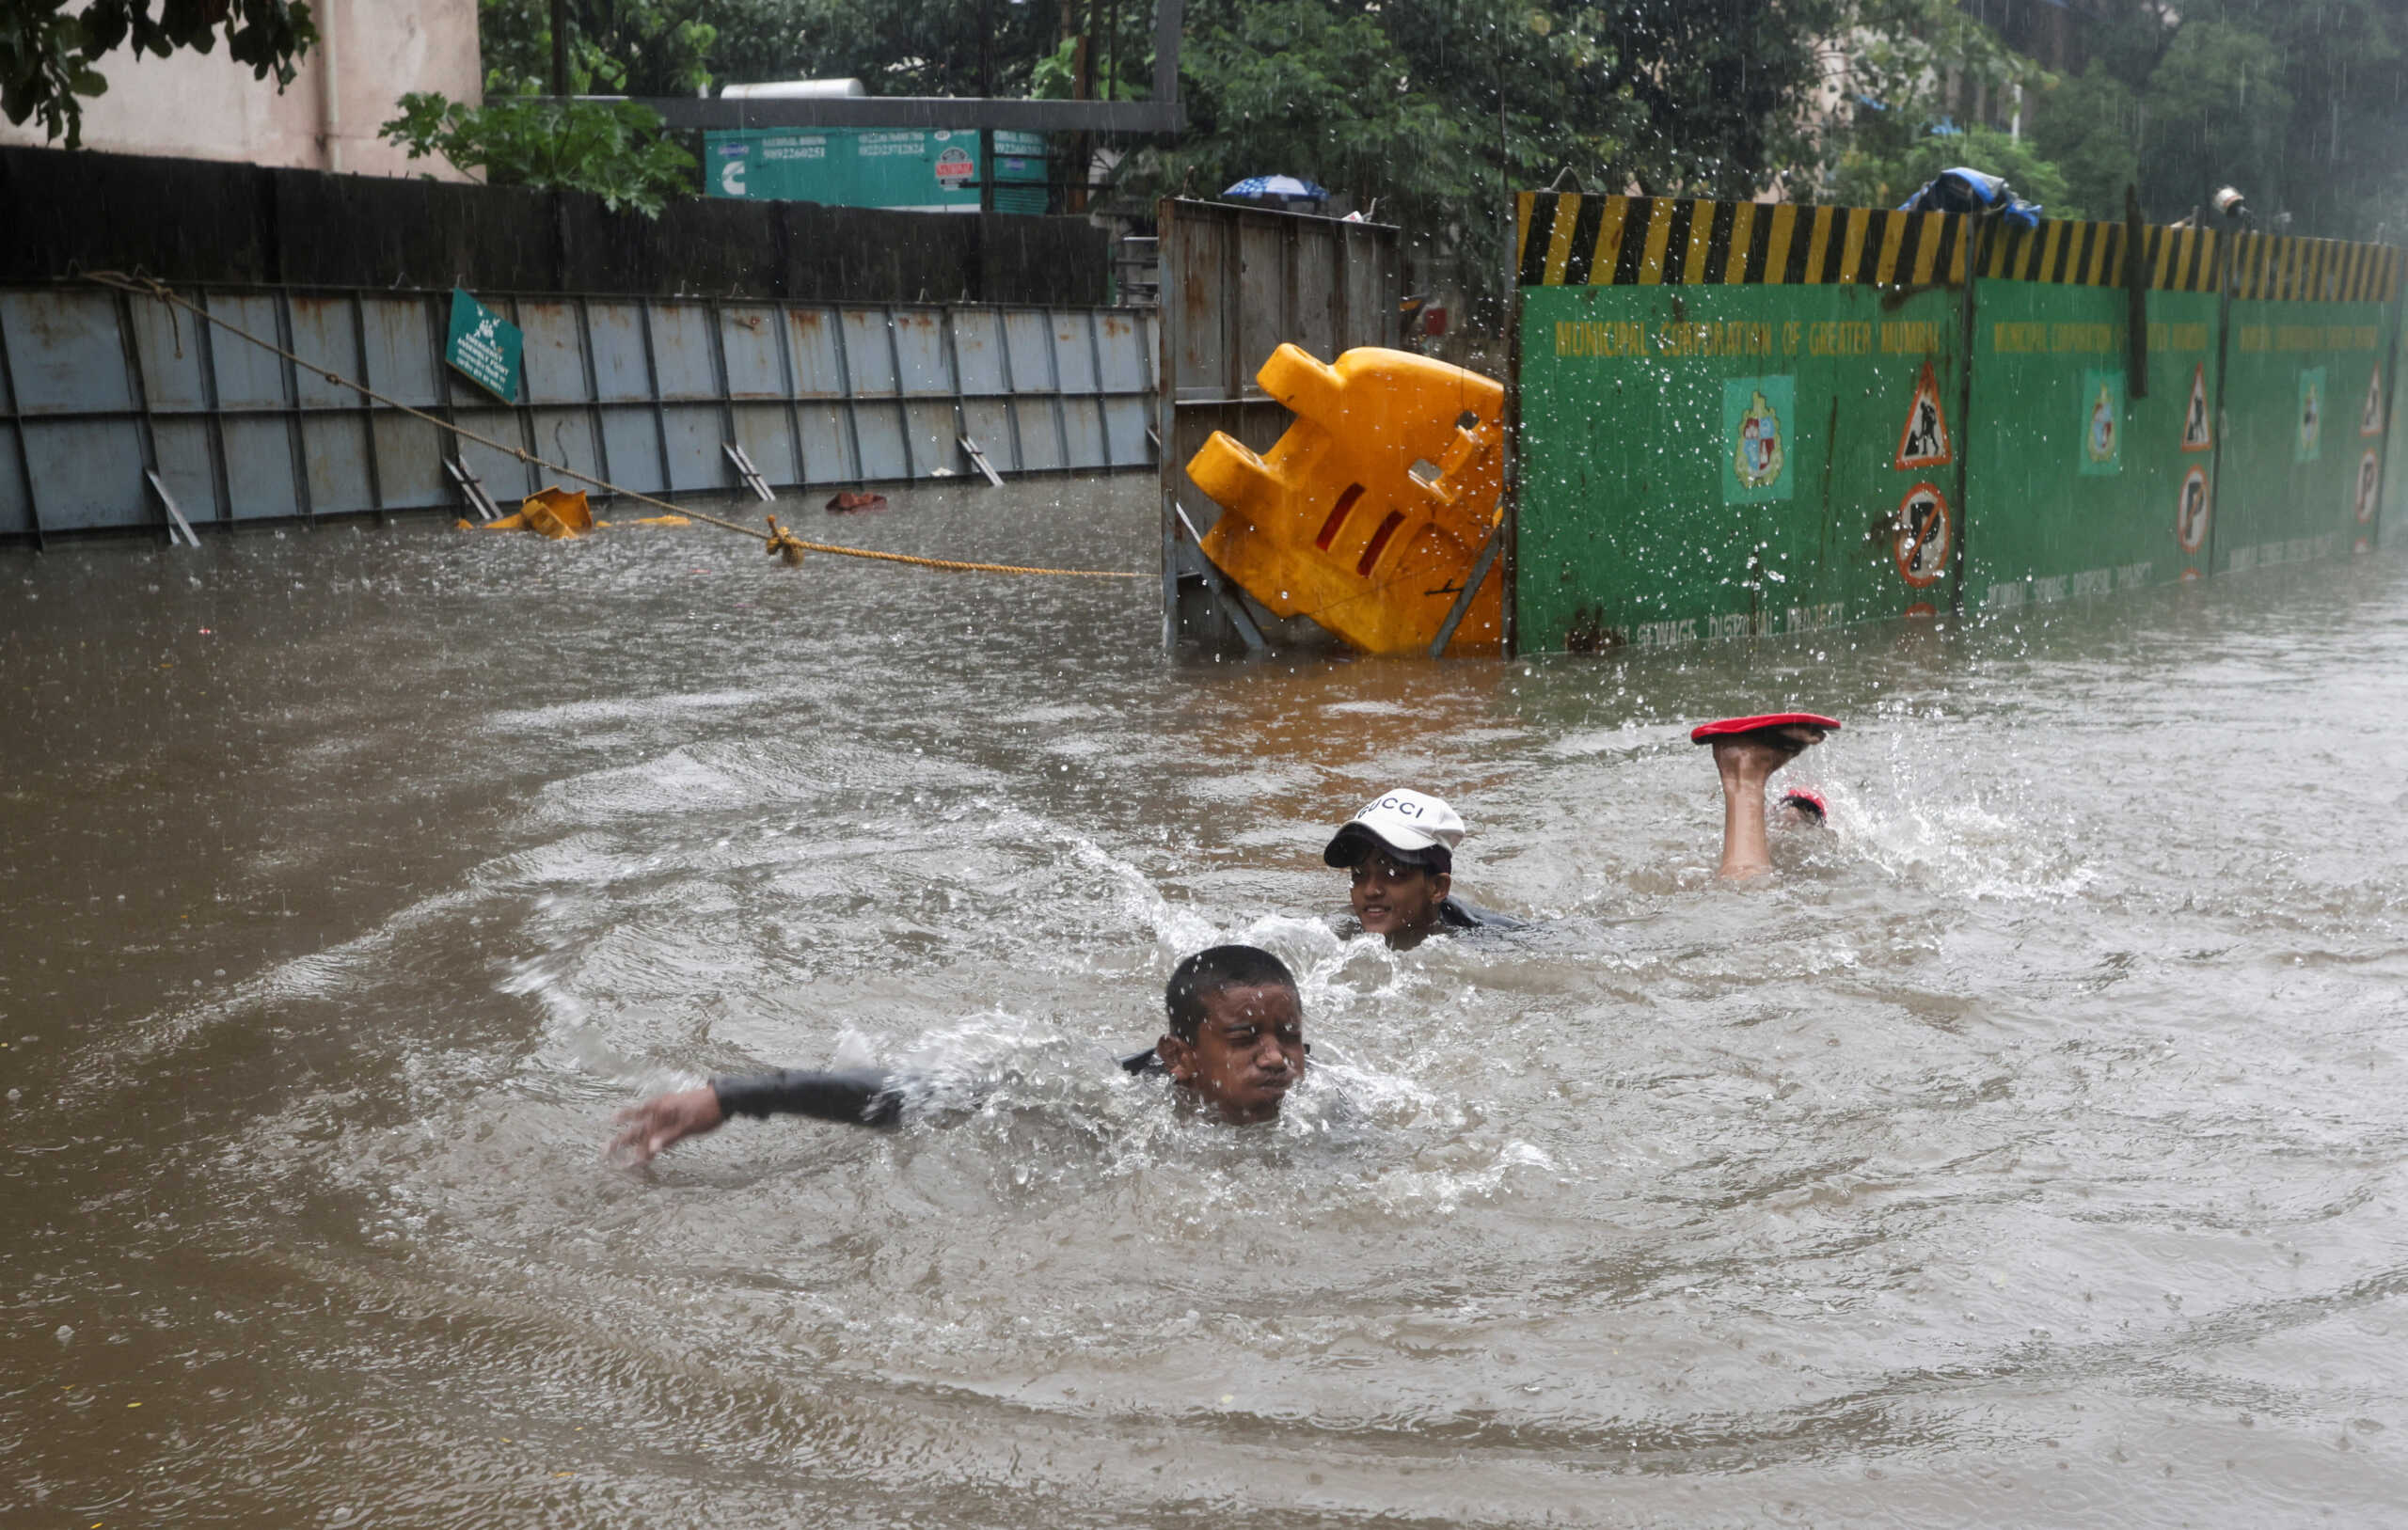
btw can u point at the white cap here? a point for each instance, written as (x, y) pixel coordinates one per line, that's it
(1414, 827)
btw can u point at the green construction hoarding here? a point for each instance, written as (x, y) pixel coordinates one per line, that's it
(1739, 419)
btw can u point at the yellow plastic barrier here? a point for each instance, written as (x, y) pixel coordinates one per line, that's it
(1369, 513)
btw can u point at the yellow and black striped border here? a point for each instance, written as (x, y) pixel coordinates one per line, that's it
(1567, 239)
(2279, 269)
(2079, 254)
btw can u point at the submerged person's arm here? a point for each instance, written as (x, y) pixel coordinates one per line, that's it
(859, 1096)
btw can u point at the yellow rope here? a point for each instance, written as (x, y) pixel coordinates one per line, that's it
(774, 542)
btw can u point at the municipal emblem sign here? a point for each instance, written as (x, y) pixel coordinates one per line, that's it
(483, 347)
(1922, 441)
(1757, 443)
(2102, 421)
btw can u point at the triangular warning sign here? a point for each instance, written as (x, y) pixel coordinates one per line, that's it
(2198, 433)
(1922, 441)
(2370, 418)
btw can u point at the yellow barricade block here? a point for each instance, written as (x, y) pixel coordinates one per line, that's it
(556, 512)
(1368, 513)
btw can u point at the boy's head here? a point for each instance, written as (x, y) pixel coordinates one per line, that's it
(1400, 852)
(1237, 1031)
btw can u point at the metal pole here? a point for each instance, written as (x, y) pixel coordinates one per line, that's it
(559, 48)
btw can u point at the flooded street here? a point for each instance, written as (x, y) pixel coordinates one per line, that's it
(2032, 1150)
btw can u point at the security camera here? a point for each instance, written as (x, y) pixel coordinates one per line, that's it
(2229, 202)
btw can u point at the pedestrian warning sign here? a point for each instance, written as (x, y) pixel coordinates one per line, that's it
(2370, 418)
(2198, 434)
(1921, 537)
(1922, 441)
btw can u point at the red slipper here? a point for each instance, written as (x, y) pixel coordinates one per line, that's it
(1706, 733)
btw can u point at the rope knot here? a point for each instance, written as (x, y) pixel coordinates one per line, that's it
(783, 543)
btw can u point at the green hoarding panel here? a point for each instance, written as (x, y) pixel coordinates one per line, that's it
(2302, 469)
(1732, 418)
(2080, 483)
(1713, 461)
(2394, 517)
(1738, 418)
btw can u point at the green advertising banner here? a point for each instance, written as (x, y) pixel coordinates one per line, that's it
(483, 347)
(902, 169)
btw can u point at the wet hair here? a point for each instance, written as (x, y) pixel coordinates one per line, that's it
(1208, 971)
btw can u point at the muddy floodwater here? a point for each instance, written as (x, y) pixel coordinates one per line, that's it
(2031, 1150)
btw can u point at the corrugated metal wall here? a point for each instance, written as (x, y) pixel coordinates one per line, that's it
(96, 386)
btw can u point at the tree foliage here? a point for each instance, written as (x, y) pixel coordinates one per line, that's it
(49, 56)
(614, 149)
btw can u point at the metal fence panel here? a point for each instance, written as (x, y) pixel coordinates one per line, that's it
(552, 359)
(639, 392)
(921, 363)
(1235, 277)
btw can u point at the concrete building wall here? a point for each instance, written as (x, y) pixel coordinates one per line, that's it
(207, 106)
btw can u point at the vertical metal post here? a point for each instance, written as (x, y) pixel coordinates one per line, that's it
(953, 370)
(792, 385)
(17, 420)
(523, 413)
(1095, 359)
(2390, 365)
(132, 351)
(205, 351)
(1979, 230)
(845, 387)
(652, 388)
(1011, 386)
(902, 405)
(1167, 342)
(366, 405)
(592, 389)
(559, 48)
(720, 383)
(2226, 289)
(295, 438)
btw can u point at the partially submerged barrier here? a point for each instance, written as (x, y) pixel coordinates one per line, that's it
(1737, 418)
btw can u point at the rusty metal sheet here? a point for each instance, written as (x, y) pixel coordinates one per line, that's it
(920, 351)
(506, 478)
(89, 471)
(1127, 368)
(401, 348)
(815, 339)
(167, 343)
(978, 355)
(881, 433)
(681, 351)
(552, 359)
(322, 336)
(1042, 445)
(761, 430)
(334, 455)
(935, 450)
(695, 461)
(621, 372)
(1074, 351)
(989, 422)
(409, 462)
(755, 369)
(566, 437)
(1028, 343)
(182, 448)
(64, 350)
(827, 445)
(248, 376)
(1082, 420)
(258, 469)
(869, 351)
(631, 439)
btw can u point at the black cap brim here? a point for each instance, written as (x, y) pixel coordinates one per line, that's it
(1348, 847)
